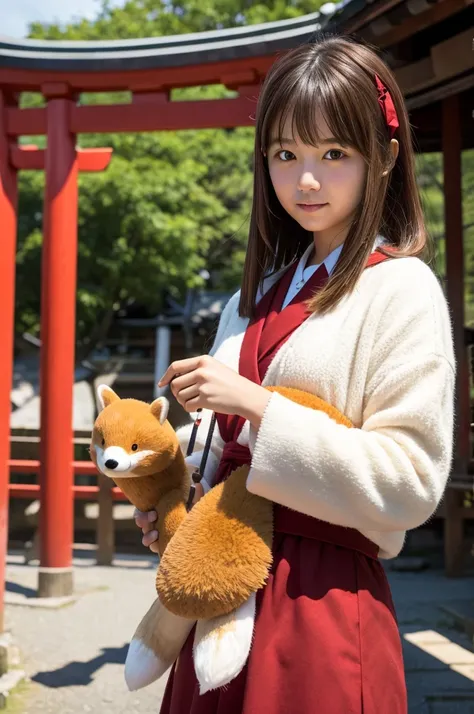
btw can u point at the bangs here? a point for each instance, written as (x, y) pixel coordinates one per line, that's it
(313, 96)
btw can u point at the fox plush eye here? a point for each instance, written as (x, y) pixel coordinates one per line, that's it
(103, 442)
(134, 447)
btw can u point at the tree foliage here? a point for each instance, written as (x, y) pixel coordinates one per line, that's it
(170, 203)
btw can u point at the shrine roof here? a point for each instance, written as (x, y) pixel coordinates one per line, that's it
(161, 52)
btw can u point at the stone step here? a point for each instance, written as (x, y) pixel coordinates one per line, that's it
(8, 682)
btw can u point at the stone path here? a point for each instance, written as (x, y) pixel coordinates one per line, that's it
(74, 655)
(438, 654)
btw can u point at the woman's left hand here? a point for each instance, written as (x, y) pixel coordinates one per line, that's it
(205, 383)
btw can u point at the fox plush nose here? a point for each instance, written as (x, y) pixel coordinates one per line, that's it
(111, 464)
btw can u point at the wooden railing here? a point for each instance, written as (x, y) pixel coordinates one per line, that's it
(105, 493)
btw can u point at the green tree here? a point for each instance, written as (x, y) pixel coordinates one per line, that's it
(170, 203)
(151, 18)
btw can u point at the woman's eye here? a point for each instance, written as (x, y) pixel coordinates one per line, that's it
(134, 447)
(285, 155)
(334, 154)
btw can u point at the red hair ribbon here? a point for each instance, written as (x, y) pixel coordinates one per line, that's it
(387, 106)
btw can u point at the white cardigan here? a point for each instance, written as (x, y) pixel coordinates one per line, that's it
(384, 357)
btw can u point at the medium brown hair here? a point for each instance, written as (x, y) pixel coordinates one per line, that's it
(336, 77)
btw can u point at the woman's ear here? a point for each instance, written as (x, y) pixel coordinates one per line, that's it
(394, 149)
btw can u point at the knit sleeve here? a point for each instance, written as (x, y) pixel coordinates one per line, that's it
(387, 474)
(184, 432)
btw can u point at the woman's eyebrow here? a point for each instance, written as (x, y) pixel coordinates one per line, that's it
(323, 142)
(281, 140)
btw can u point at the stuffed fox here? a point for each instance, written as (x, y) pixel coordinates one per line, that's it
(134, 444)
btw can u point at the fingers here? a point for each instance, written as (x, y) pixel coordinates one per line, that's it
(182, 383)
(192, 405)
(144, 519)
(186, 395)
(154, 548)
(182, 367)
(149, 538)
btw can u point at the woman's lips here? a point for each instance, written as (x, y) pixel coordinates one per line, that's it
(311, 207)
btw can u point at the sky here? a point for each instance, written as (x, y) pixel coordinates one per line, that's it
(15, 15)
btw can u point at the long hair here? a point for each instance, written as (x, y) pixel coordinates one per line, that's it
(336, 77)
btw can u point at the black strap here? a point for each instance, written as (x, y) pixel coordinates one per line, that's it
(199, 470)
(192, 439)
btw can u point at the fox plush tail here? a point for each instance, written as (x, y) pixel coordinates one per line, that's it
(221, 646)
(155, 646)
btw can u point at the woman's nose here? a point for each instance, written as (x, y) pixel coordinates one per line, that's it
(308, 182)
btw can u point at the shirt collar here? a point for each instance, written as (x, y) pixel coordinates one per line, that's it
(329, 263)
(331, 260)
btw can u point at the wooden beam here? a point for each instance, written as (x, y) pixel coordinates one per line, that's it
(168, 116)
(144, 80)
(158, 116)
(453, 56)
(361, 20)
(416, 23)
(25, 122)
(83, 493)
(29, 157)
(426, 97)
(32, 466)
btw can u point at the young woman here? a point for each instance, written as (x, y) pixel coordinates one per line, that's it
(335, 300)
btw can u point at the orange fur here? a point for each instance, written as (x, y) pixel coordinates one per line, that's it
(222, 551)
(160, 482)
(214, 557)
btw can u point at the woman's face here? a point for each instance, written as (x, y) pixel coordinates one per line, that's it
(319, 186)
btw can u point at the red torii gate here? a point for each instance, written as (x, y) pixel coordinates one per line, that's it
(58, 308)
(61, 71)
(237, 58)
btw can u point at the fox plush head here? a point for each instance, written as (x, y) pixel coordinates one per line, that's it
(132, 438)
(133, 444)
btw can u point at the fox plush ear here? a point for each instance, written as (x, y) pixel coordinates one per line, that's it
(159, 409)
(106, 395)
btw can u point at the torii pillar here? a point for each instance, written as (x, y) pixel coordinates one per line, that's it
(58, 321)
(8, 231)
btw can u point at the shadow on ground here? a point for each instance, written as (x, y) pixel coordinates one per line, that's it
(75, 674)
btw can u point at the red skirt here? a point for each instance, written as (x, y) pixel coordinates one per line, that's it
(326, 637)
